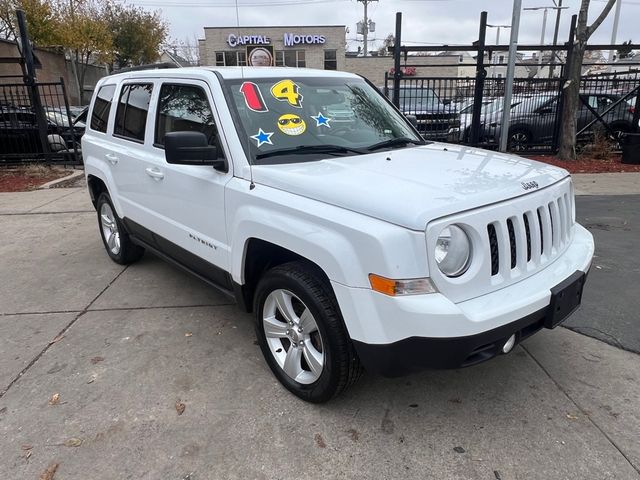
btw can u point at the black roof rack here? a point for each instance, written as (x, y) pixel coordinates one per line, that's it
(149, 66)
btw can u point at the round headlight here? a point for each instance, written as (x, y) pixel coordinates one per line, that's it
(453, 251)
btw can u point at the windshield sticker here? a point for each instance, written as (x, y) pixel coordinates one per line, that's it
(291, 124)
(253, 97)
(287, 91)
(321, 120)
(262, 137)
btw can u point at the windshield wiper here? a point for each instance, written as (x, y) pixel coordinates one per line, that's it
(394, 142)
(306, 149)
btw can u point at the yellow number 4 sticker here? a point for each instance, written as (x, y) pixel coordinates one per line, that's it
(286, 90)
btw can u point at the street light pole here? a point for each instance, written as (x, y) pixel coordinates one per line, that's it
(555, 37)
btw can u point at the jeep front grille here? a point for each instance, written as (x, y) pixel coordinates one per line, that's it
(512, 240)
(521, 239)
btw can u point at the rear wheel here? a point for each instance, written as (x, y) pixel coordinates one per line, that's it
(302, 335)
(116, 240)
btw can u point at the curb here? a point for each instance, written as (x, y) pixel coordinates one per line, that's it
(54, 183)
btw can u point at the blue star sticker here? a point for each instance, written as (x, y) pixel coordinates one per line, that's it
(321, 120)
(262, 137)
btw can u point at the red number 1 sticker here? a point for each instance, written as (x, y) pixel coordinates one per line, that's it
(252, 97)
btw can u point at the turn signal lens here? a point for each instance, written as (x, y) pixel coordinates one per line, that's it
(393, 288)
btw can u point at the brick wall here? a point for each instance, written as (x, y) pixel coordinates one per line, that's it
(373, 68)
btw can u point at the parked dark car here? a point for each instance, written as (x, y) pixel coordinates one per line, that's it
(533, 121)
(434, 117)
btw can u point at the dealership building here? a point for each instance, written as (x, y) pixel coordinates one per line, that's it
(320, 47)
(310, 46)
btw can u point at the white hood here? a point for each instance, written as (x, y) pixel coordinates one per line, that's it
(411, 186)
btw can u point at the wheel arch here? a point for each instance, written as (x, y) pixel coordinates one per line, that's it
(260, 255)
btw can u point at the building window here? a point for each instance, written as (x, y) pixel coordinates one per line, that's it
(231, 58)
(330, 60)
(501, 59)
(290, 58)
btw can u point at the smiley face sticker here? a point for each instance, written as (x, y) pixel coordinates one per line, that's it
(291, 124)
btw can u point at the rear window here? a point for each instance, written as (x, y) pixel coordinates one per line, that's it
(101, 108)
(131, 115)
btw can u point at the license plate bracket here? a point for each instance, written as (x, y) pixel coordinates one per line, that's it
(565, 299)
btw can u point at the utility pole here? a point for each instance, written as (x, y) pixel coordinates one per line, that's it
(495, 53)
(555, 37)
(365, 26)
(614, 32)
(511, 67)
(544, 28)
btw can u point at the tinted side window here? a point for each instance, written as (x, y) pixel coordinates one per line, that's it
(184, 108)
(133, 106)
(101, 108)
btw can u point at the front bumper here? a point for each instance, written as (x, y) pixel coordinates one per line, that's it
(418, 353)
(414, 332)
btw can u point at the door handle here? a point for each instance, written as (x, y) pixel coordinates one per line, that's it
(113, 159)
(155, 173)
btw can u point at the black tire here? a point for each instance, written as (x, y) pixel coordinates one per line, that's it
(616, 137)
(519, 140)
(128, 252)
(341, 367)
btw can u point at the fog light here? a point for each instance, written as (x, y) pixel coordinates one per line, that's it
(506, 348)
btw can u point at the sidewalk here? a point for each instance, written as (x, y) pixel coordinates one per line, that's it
(122, 345)
(606, 183)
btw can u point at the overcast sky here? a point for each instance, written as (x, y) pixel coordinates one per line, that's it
(424, 21)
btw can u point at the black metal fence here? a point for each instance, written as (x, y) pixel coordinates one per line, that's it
(443, 108)
(469, 110)
(38, 131)
(36, 123)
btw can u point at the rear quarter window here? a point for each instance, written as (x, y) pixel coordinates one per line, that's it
(131, 115)
(101, 108)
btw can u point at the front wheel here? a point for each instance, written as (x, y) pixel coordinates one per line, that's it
(302, 335)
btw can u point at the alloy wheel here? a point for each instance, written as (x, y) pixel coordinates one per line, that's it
(293, 337)
(110, 228)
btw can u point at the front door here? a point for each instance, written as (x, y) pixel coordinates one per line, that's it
(187, 201)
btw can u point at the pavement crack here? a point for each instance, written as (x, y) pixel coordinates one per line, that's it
(582, 410)
(205, 305)
(54, 200)
(21, 214)
(61, 333)
(52, 312)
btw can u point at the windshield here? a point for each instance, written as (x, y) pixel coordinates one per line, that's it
(281, 119)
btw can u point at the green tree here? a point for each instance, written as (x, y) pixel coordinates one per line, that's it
(137, 34)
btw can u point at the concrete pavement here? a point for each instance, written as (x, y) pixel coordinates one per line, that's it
(122, 345)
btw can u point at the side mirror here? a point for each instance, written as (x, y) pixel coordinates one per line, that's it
(412, 119)
(545, 110)
(191, 148)
(446, 101)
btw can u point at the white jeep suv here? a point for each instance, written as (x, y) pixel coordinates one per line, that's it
(356, 244)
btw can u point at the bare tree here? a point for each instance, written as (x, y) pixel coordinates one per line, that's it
(583, 32)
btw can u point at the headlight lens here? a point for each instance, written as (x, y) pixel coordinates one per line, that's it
(453, 251)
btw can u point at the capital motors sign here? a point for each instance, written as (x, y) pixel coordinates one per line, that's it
(292, 39)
